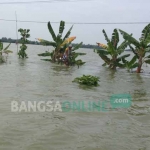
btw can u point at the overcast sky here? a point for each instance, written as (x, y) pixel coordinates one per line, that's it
(93, 11)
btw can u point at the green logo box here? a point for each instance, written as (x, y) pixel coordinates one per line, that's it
(120, 100)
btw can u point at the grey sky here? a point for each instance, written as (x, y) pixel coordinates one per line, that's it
(76, 11)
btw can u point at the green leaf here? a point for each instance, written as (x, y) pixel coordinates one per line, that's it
(134, 51)
(104, 64)
(147, 56)
(110, 48)
(1, 46)
(122, 57)
(103, 52)
(47, 43)
(51, 31)
(145, 33)
(120, 65)
(105, 58)
(77, 46)
(7, 47)
(122, 47)
(68, 33)
(133, 60)
(115, 38)
(147, 40)
(129, 38)
(8, 51)
(147, 61)
(134, 66)
(81, 53)
(61, 27)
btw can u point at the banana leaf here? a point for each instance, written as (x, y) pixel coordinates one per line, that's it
(122, 57)
(133, 60)
(51, 31)
(145, 33)
(7, 51)
(110, 48)
(102, 52)
(47, 43)
(61, 27)
(147, 61)
(68, 33)
(129, 38)
(7, 47)
(77, 46)
(115, 38)
(1, 46)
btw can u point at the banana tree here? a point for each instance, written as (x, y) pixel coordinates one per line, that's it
(111, 52)
(4, 51)
(141, 47)
(59, 42)
(57, 39)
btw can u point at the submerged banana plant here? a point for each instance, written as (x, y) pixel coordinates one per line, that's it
(4, 51)
(141, 47)
(60, 42)
(111, 52)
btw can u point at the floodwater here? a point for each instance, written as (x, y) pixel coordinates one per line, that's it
(36, 80)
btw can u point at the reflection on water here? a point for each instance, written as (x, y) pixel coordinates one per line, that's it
(34, 80)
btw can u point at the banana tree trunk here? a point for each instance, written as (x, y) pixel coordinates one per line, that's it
(139, 65)
(54, 56)
(112, 65)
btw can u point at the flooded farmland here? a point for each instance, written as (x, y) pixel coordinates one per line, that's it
(35, 80)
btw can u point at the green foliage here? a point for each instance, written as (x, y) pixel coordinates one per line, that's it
(111, 53)
(57, 39)
(77, 46)
(140, 47)
(45, 54)
(4, 51)
(87, 80)
(58, 42)
(24, 40)
(130, 64)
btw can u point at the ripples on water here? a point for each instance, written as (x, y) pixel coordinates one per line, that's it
(33, 79)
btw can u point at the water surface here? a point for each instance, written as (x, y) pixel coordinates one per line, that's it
(36, 80)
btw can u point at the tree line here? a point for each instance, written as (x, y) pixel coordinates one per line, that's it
(9, 40)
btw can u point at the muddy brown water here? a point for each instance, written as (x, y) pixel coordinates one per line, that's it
(36, 80)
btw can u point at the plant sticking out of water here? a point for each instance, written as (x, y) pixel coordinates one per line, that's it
(110, 53)
(141, 47)
(60, 45)
(24, 40)
(87, 80)
(4, 51)
(130, 64)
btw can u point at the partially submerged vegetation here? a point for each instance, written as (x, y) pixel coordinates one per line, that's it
(87, 80)
(110, 52)
(63, 53)
(4, 51)
(24, 40)
(141, 47)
